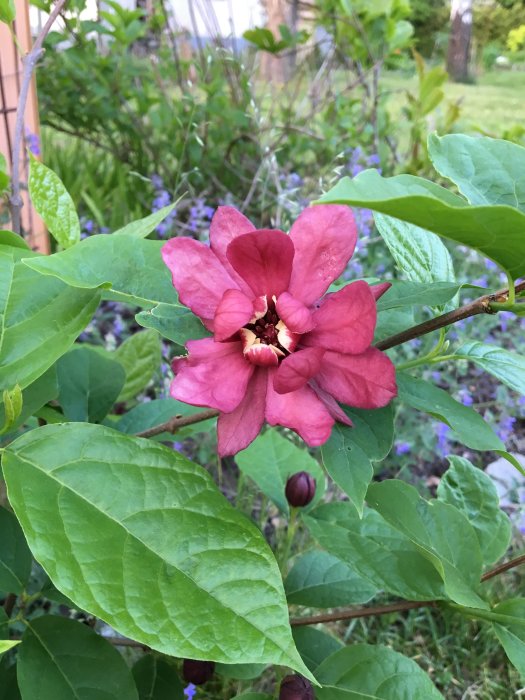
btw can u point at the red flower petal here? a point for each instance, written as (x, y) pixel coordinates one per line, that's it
(345, 321)
(331, 404)
(379, 289)
(227, 224)
(214, 375)
(262, 355)
(236, 430)
(364, 381)
(294, 313)
(297, 369)
(264, 260)
(299, 410)
(198, 275)
(234, 311)
(324, 237)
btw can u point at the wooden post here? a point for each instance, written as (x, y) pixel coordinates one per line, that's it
(459, 40)
(10, 77)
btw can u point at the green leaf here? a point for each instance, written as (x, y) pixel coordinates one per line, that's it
(54, 204)
(174, 322)
(431, 294)
(4, 624)
(15, 557)
(469, 426)
(12, 404)
(253, 696)
(131, 270)
(420, 202)
(314, 645)
(7, 11)
(156, 679)
(245, 672)
(485, 170)
(143, 227)
(320, 580)
(142, 538)
(512, 636)
(62, 659)
(8, 683)
(389, 322)
(420, 255)
(41, 319)
(441, 533)
(508, 367)
(6, 645)
(140, 355)
(375, 551)
(36, 395)
(271, 459)
(13, 240)
(146, 415)
(348, 454)
(89, 384)
(373, 672)
(471, 491)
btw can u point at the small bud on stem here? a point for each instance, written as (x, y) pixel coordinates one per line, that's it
(296, 688)
(300, 489)
(197, 672)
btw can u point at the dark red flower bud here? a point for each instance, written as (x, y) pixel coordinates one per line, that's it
(197, 672)
(300, 489)
(296, 688)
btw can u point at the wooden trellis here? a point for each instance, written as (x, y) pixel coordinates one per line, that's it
(10, 78)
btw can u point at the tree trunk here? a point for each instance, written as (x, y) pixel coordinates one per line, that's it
(274, 68)
(459, 41)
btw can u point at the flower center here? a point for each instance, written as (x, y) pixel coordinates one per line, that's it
(266, 340)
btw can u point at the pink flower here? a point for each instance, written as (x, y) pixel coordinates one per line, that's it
(280, 352)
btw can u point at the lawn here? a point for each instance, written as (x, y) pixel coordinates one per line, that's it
(494, 103)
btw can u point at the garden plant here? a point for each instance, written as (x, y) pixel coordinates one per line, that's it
(205, 507)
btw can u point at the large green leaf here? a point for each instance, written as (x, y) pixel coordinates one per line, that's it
(15, 557)
(420, 255)
(469, 426)
(129, 269)
(54, 204)
(61, 659)
(485, 170)
(508, 367)
(349, 453)
(142, 538)
(472, 492)
(376, 551)
(143, 227)
(441, 533)
(403, 294)
(174, 322)
(42, 318)
(512, 636)
(7, 11)
(373, 672)
(8, 683)
(271, 459)
(240, 671)
(497, 231)
(89, 384)
(314, 645)
(156, 679)
(320, 580)
(140, 355)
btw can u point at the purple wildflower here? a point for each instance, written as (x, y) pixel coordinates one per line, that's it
(190, 691)
(402, 448)
(505, 429)
(33, 142)
(442, 431)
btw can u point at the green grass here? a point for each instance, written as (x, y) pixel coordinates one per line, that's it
(494, 103)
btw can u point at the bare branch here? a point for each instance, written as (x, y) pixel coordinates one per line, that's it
(29, 62)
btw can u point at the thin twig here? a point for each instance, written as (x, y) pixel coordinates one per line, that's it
(482, 305)
(173, 424)
(29, 62)
(400, 606)
(362, 612)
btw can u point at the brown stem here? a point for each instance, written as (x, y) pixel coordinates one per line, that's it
(29, 62)
(362, 612)
(173, 424)
(482, 305)
(400, 606)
